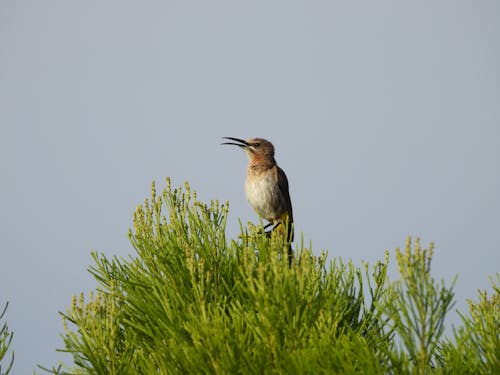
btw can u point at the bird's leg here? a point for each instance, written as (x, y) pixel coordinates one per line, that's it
(256, 230)
(267, 225)
(275, 225)
(268, 233)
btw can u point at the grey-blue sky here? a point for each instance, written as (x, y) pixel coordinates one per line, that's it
(385, 116)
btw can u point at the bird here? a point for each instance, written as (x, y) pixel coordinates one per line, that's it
(266, 185)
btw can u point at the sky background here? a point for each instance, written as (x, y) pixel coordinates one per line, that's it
(385, 116)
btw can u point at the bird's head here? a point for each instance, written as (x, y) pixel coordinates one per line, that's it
(256, 148)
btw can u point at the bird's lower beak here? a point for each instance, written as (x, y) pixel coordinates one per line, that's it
(242, 143)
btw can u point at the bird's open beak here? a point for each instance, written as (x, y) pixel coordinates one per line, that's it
(242, 143)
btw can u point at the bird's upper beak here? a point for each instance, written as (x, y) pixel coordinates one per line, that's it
(242, 143)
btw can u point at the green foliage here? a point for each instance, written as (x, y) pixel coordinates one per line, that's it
(417, 306)
(191, 301)
(476, 345)
(5, 341)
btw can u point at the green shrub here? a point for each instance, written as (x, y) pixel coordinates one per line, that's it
(5, 341)
(191, 301)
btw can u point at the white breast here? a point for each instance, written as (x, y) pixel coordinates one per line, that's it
(264, 196)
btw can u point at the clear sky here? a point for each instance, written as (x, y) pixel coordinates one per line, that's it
(385, 116)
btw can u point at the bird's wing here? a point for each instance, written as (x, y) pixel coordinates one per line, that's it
(283, 186)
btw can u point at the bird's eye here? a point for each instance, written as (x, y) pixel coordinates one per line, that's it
(256, 145)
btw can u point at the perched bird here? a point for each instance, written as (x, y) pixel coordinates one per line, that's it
(266, 185)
